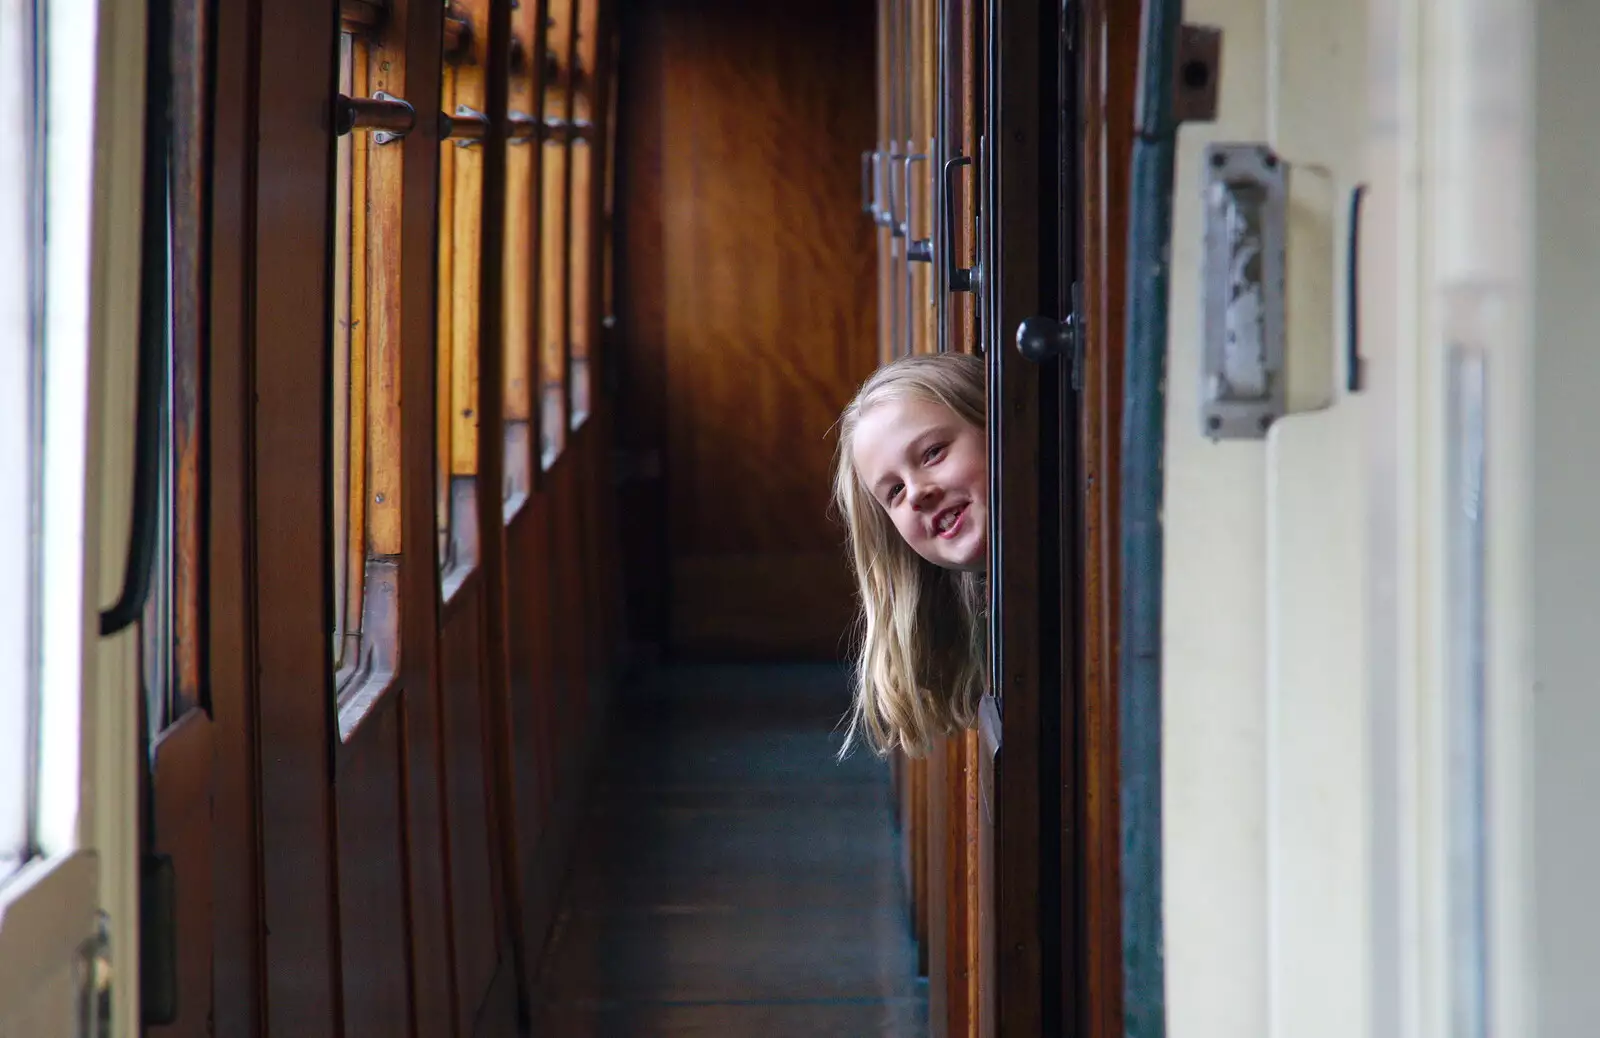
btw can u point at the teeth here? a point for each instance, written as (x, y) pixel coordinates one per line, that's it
(948, 520)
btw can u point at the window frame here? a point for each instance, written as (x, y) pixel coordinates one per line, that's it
(366, 472)
(21, 432)
(522, 291)
(460, 273)
(555, 235)
(584, 157)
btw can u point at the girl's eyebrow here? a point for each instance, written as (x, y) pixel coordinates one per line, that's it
(931, 432)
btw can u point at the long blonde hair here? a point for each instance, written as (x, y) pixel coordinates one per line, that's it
(919, 664)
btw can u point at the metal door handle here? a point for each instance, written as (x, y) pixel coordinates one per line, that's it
(918, 250)
(883, 211)
(522, 128)
(897, 228)
(869, 200)
(960, 279)
(390, 116)
(467, 127)
(1041, 339)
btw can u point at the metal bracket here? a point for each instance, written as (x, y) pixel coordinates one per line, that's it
(1242, 379)
(1194, 81)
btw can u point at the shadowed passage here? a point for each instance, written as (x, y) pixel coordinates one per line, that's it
(730, 877)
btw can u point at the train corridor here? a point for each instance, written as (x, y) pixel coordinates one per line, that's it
(729, 876)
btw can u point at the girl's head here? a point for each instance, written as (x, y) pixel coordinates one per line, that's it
(912, 483)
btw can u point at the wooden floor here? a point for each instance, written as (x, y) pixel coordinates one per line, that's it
(730, 877)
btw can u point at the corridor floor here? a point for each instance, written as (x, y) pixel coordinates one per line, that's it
(731, 878)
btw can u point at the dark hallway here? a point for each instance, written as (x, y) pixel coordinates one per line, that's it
(731, 878)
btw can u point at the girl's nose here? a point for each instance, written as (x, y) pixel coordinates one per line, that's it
(924, 495)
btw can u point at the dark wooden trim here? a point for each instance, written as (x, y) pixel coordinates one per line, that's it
(361, 15)
(494, 686)
(1019, 284)
(291, 335)
(432, 950)
(566, 83)
(1110, 31)
(238, 950)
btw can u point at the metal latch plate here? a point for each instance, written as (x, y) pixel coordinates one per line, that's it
(1242, 389)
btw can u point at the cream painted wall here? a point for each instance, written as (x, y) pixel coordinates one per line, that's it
(1566, 531)
(1214, 673)
(1449, 270)
(1267, 796)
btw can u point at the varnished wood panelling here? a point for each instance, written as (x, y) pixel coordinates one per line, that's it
(761, 604)
(567, 606)
(183, 829)
(530, 643)
(372, 887)
(418, 24)
(640, 363)
(1109, 71)
(293, 202)
(235, 1001)
(765, 281)
(472, 901)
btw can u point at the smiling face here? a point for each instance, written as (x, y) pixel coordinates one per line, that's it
(929, 471)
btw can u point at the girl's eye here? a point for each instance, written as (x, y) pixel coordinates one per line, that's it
(932, 453)
(894, 492)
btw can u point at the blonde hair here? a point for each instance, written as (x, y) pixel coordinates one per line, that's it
(919, 661)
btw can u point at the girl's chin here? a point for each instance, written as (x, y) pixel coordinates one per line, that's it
(968, 560)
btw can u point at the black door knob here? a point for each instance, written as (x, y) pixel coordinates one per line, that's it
(1044, 338)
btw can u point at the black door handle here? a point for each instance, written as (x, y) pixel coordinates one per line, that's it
(1041, 339)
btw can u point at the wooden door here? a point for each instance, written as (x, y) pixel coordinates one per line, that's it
(184, 715)
(1108, 60)
(1028, 266)
(746, 284)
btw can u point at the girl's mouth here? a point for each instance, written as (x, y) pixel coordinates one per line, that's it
(948, 523)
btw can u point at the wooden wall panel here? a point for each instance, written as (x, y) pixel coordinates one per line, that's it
(293, 206)
(474, 924)
(530, 646)
(236, 1004)
(183, 792)
(1109, 72)
(372, 881)
(749, 295)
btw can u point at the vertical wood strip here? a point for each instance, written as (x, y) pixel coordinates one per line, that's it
(380, 215)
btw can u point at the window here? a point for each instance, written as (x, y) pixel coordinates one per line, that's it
(554, 234)
(608, 286)
(581, 324)
(21, 250)
(171, 628)
(45, 180)
(349, 355)
(460, 255)
(365, 495)
(522, 169)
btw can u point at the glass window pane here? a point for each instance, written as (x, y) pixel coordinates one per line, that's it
(345, 488)
(460, 258)
(582, 324)
(521, 165)
(70, 57)
(19, 415)
(553, 235)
